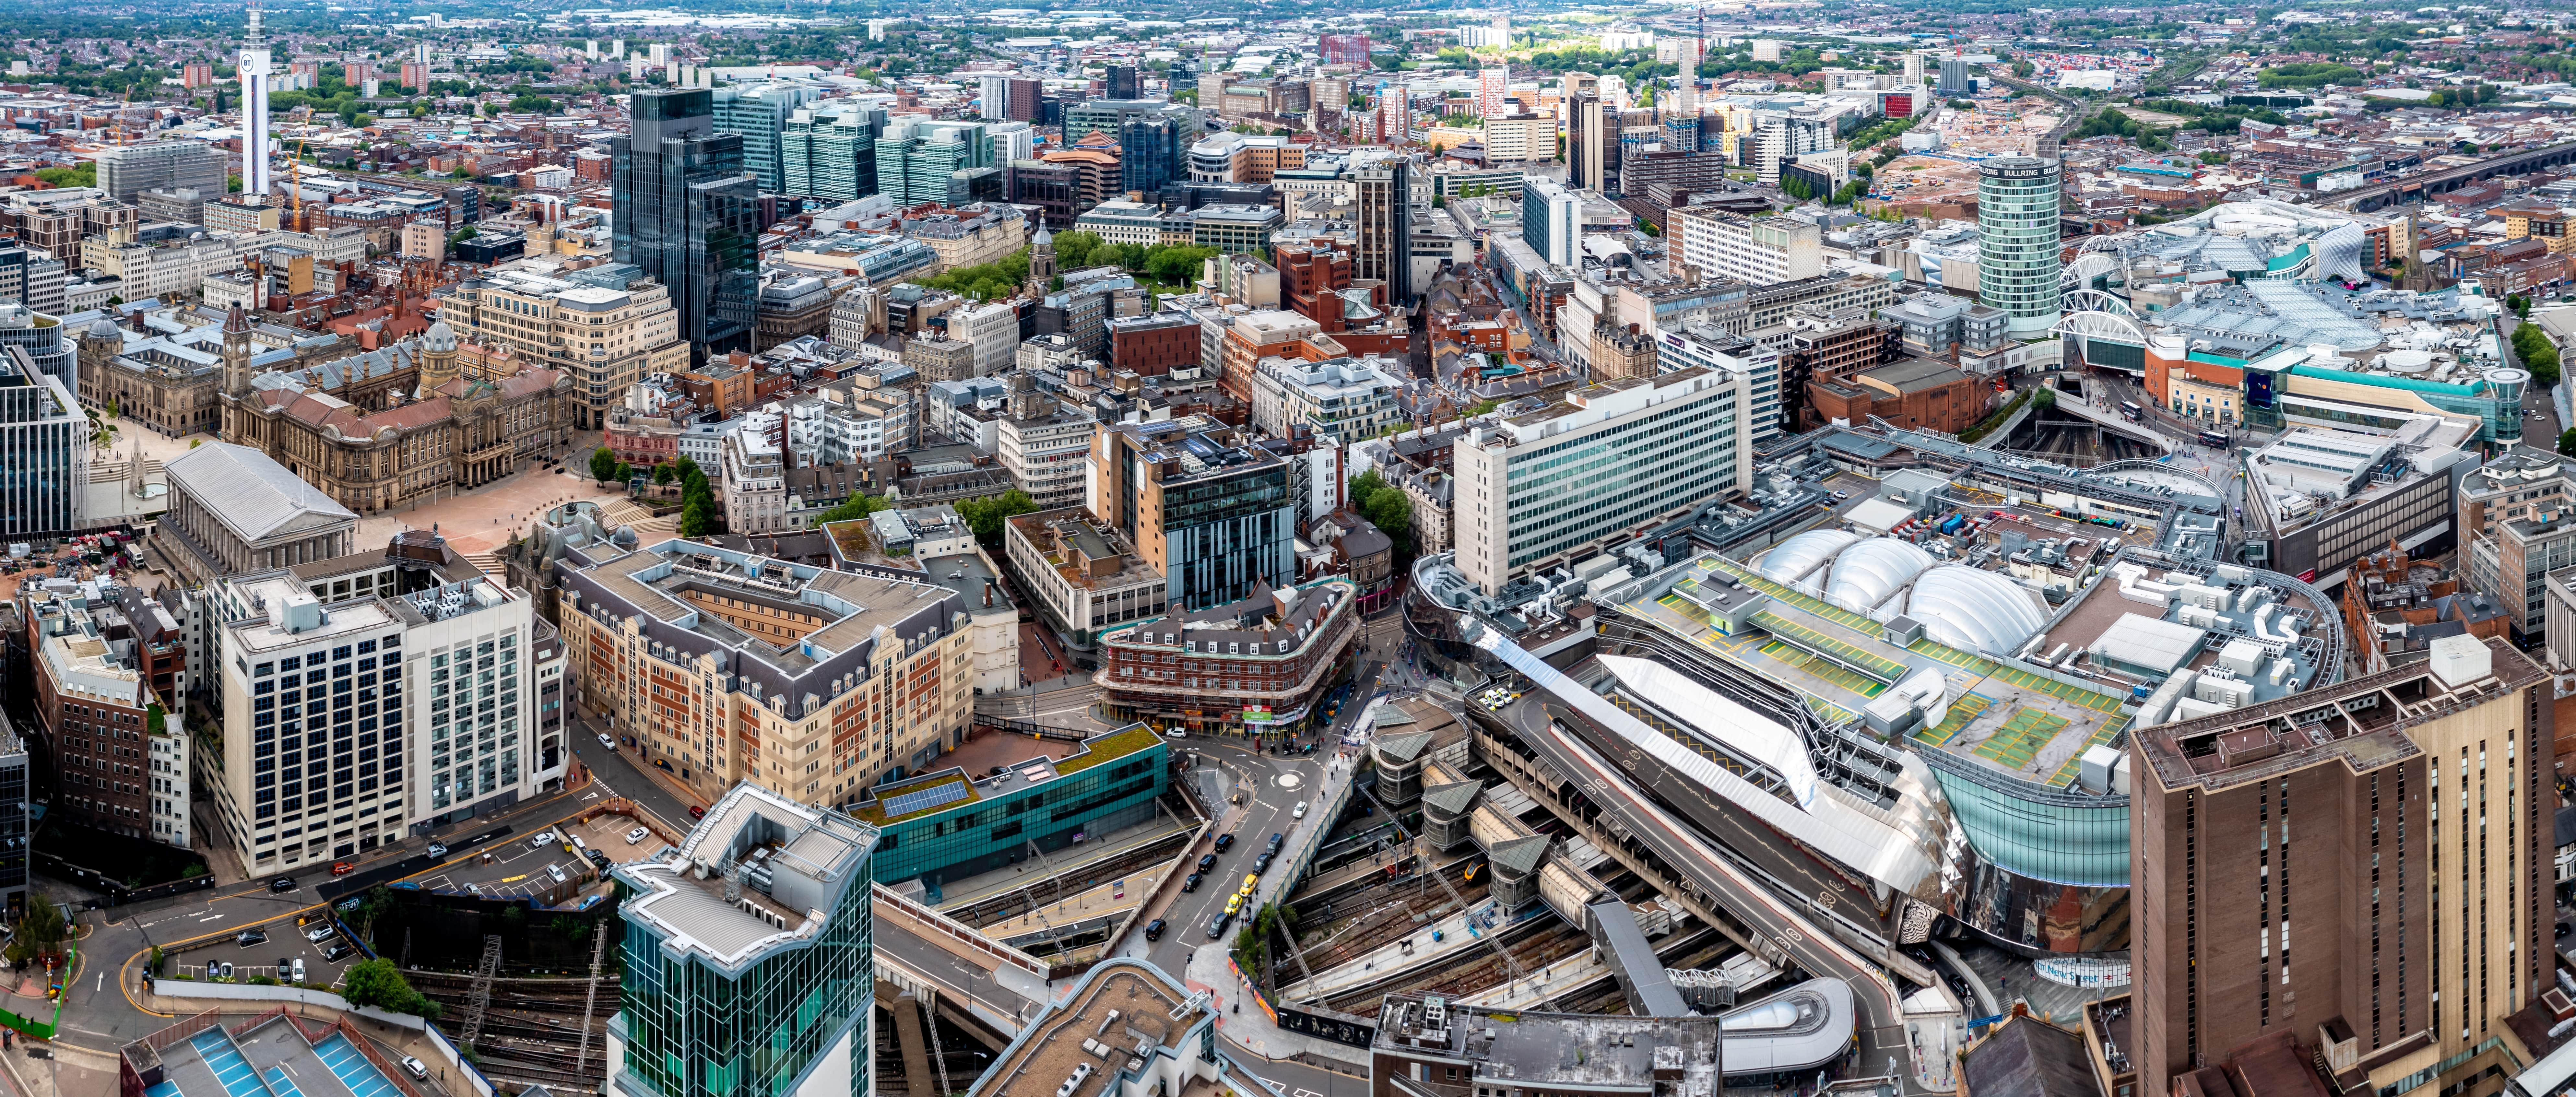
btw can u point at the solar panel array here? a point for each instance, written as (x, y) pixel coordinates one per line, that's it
(931, 797)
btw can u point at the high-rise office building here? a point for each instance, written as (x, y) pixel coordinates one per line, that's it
(1551, 220)
(1913, 69)
(1954, 76)
(1591, 141)
(687, 215)
(2362, 867)
(921, 162)
(750, 956)
(1149, 152)
(44, 449)
(1545, 486)
(1020, 99)
(1385, 249)
(830, 151)
(125, 171)
(758, 114)
(254, 68)
(1122, 83)
(13, 819)
(2018, 199)
(1217, 525)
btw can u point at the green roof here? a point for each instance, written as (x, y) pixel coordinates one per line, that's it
(2383, 380)
(1108, 748)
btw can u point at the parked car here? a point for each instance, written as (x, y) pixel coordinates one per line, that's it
(1250, 881)
(1233, 905)
(342, 868)
(1207, 861)
(557, 872)
(1223, 842)
(1190, 882)
(250, 938)
(696, 812)
(1277, 840)
(1154, 930)
(281, 883)
(285, 966)
(608, 742)
(578, 845)
(415, 1068)
(1300, 813)
(1216, 926)
(221, 969)
(1176, 733)
(337, 949)
(299, 969)
(320, 933)
(1262, 863)
(438, 849)
(542, 840)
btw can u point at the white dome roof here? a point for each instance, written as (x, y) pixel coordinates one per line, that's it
(1866, 574)
(1974, 610)
(1791, 560)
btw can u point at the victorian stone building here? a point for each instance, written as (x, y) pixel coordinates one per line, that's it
(165, 372)
(416, 421)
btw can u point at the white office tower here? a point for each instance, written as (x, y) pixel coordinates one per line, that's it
(254, 80)
(994, 97)
(1914, 68)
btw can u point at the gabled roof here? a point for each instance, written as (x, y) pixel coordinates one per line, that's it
(1457, 796)
(1520, 856)
(1402, 748)
(254, 496)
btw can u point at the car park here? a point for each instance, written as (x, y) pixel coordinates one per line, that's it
(250, 938)
(1154, 930)
(637, 835)
(1190, 882)
(320, 933)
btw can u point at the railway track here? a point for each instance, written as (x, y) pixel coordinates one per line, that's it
(1486, 970)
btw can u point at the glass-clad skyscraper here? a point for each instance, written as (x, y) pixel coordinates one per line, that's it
(2017, 208)
(687, 214)
(750, 957)
(1149, 152)
(758, 113)
(830, 151)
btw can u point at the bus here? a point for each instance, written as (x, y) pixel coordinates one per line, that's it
(2131, 409)
(2213, 439)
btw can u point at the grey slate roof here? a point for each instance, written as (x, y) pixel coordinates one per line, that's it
(254, 496)
(2029, 1058)
(1458, 796)
(1520, 856)
(1399, 749)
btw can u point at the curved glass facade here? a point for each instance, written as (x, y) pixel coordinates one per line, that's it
(2052, 868)
(2017, 209)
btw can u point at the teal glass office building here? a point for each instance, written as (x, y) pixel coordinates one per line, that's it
(945, 826)
(750, 957)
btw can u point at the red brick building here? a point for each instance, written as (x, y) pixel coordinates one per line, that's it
(1308, 279)
(1154, 343)
(102, 667)
(1249, 667)
(1914, 392)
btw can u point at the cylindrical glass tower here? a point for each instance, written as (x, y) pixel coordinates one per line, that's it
(2017, 205)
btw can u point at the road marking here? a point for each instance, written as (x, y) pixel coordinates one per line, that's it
(215, 917)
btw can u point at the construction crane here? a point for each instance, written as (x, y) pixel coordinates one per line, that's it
(295, 184)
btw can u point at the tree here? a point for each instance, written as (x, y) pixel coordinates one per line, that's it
(664, 474)
(693, 518)
(380, 984)
(464, 234)
(603, 465)
(2567, 442)
(859, 506)
(986, 515)
(1385, 506)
